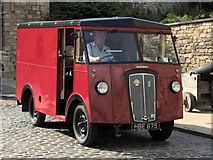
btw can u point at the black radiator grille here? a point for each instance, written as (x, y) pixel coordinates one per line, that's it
(143, 96)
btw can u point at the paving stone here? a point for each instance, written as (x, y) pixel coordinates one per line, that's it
(21, 140)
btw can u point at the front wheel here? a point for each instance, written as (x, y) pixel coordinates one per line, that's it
(37, 118)
(164, 132)
(84, 131)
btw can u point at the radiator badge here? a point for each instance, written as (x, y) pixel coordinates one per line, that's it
(136, 82)
(149, 83)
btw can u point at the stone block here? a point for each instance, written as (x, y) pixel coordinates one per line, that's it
(12, 33)
(3, 53)
(38, 12)
(12, 68)
(6, 58)
(185, 41)
(17, 12)
(34, 3)
(7, 16)
(204, 58)
(201, 43)
(210, 51)
(31, 12)
(193, 60)
(44, 7)
(7, 48)
(208, 61)
(21, 17)
(6, 67)
(188, 60)
(8, 75)
(6, 23)
(183, 27)
(29, 16)
(35, 8)
(13, 47)
(182, 60)
(208, 35)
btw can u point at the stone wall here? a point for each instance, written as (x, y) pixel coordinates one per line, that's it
(12, 14)
(194, 43)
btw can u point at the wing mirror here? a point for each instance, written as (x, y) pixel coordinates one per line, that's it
(73, 36)
(175, 39)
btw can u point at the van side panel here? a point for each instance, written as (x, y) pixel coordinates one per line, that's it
(37, 66)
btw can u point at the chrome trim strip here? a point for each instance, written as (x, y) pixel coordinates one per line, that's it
(144, 102)
(139, 67)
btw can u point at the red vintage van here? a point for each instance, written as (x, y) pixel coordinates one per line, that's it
(133, 82)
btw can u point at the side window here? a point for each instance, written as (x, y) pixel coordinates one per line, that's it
(80, 49)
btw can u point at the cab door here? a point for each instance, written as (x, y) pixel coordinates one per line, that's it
(64, 68)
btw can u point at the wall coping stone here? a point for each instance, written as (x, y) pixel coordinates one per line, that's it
(191, 22)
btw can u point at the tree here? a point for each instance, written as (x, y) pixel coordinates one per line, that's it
(80, 10)
(163, 12)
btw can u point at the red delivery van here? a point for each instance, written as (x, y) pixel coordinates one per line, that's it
(122, 72)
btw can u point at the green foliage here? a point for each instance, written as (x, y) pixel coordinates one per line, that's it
(189, 11)
(211, 14)
(180, 11)
(78, 10)
(172, 17)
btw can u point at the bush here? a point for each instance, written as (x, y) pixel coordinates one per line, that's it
(78, 10)
(172, 17)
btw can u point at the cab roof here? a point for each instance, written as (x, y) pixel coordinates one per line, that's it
(122, 22)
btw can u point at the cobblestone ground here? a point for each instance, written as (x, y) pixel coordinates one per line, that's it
(18, 139)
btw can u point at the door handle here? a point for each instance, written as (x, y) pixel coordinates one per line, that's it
(60, 54)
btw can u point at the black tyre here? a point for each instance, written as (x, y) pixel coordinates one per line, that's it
(85, 132)
(165, 131)
(37, 118)
(189, 102)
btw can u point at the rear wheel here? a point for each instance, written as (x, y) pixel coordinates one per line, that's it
(37, 118)
(165, 131)
(189, 102)
(84, 131)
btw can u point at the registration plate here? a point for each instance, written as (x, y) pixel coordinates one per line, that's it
(150, 126)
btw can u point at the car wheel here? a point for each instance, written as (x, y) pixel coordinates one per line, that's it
(84, 131)
(189, 102)
(164, 132)
(37, 118)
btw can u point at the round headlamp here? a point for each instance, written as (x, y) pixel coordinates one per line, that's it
(176, 86)
(102, 87)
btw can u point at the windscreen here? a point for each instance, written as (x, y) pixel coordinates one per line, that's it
(128, 47)
(157, 48)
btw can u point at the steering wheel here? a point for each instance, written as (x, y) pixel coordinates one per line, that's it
(108, 56)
